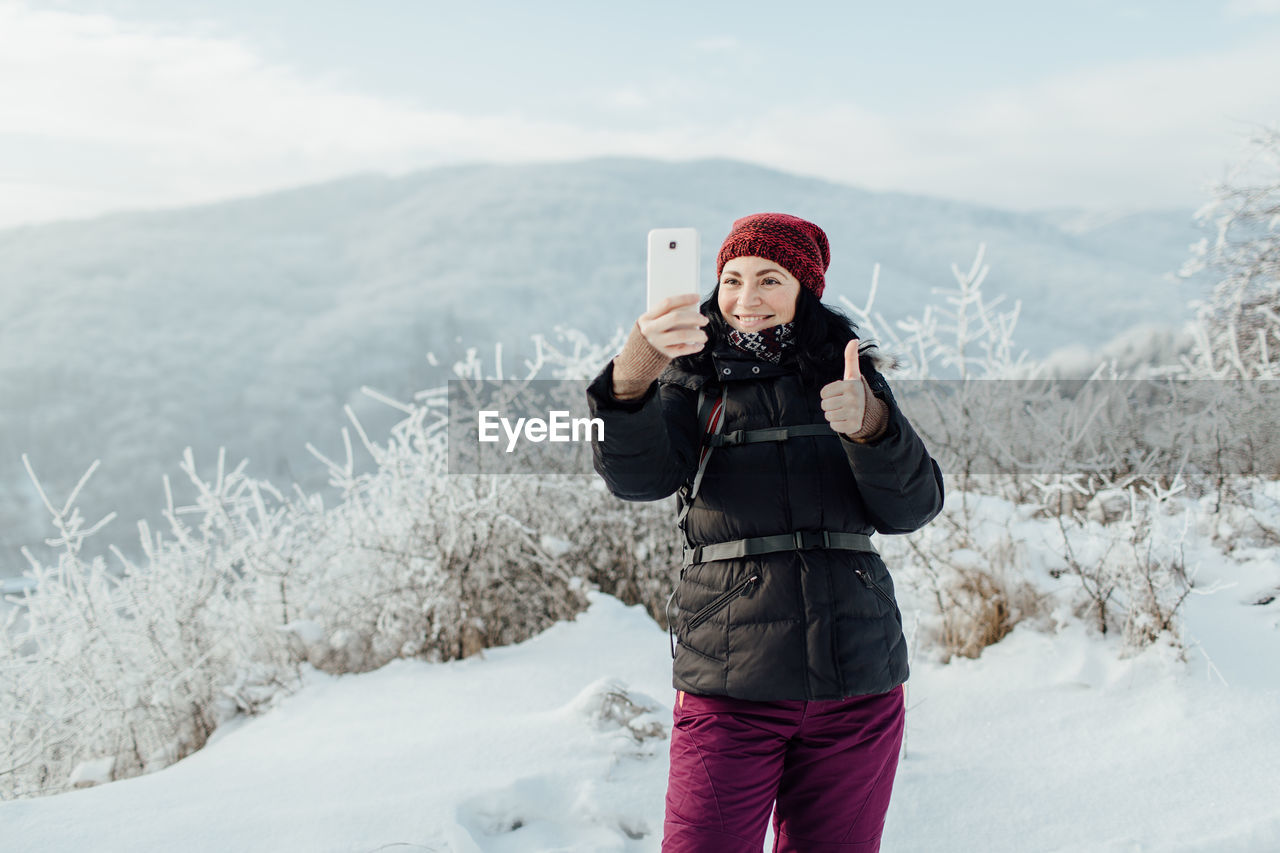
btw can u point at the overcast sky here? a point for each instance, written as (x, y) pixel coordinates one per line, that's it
(126, 104)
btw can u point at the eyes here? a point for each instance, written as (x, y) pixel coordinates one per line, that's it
(769, 282)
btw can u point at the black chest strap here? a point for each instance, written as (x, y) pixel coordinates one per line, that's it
(736, 437)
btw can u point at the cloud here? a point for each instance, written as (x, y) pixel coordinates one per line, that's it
(208, 117)
(717, 44)
(1147, 133)
(1250, 8)
(97, 115)
(629, 99)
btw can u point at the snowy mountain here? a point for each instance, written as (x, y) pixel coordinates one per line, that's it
(248, 324)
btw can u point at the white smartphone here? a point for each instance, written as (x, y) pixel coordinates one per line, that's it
(673, 263)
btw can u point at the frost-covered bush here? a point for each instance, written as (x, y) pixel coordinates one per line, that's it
(1093, 455)
(109, 674)
(129, 672)
(970, 569)
(1001, 425)
(962, 384)
(1129, 560)
(1237, 329)
(627, 549)
(417, 562)
(631, 551)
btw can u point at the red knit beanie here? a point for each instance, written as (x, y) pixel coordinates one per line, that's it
(797, 244)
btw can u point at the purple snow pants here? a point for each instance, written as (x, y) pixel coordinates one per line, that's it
(829, 764)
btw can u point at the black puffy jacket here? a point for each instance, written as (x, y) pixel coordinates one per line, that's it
(796, 624)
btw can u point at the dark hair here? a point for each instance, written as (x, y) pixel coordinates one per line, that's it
(822, 332)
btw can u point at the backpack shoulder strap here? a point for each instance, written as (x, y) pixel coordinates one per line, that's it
(710, 423)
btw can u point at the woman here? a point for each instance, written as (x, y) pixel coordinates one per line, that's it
(788, 451)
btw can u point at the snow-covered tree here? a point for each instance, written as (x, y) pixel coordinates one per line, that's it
(1238, 328)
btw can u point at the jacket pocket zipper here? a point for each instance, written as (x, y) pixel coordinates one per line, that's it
(720, 601)
(870, 584)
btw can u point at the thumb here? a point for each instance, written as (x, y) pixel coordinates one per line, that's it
(852, 370)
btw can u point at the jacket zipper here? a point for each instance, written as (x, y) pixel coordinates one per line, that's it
(870, 584)
(720, 601)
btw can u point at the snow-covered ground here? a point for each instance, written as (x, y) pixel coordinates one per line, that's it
(1048, 742)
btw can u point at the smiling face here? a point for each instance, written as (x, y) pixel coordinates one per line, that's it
(756, 293)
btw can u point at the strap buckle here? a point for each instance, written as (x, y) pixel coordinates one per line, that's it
(807, 539)
(731, 438)
(692, 555)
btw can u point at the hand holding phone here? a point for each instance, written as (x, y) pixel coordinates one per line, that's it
(674, 326)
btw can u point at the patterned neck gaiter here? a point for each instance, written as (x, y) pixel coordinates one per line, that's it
(767, 344)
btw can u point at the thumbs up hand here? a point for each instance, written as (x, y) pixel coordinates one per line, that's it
(844, 402)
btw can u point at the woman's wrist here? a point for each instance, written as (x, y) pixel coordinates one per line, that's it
(636, 367)
(875, 417)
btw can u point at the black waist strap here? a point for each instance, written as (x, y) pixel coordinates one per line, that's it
(751, 436)
(802, 540)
